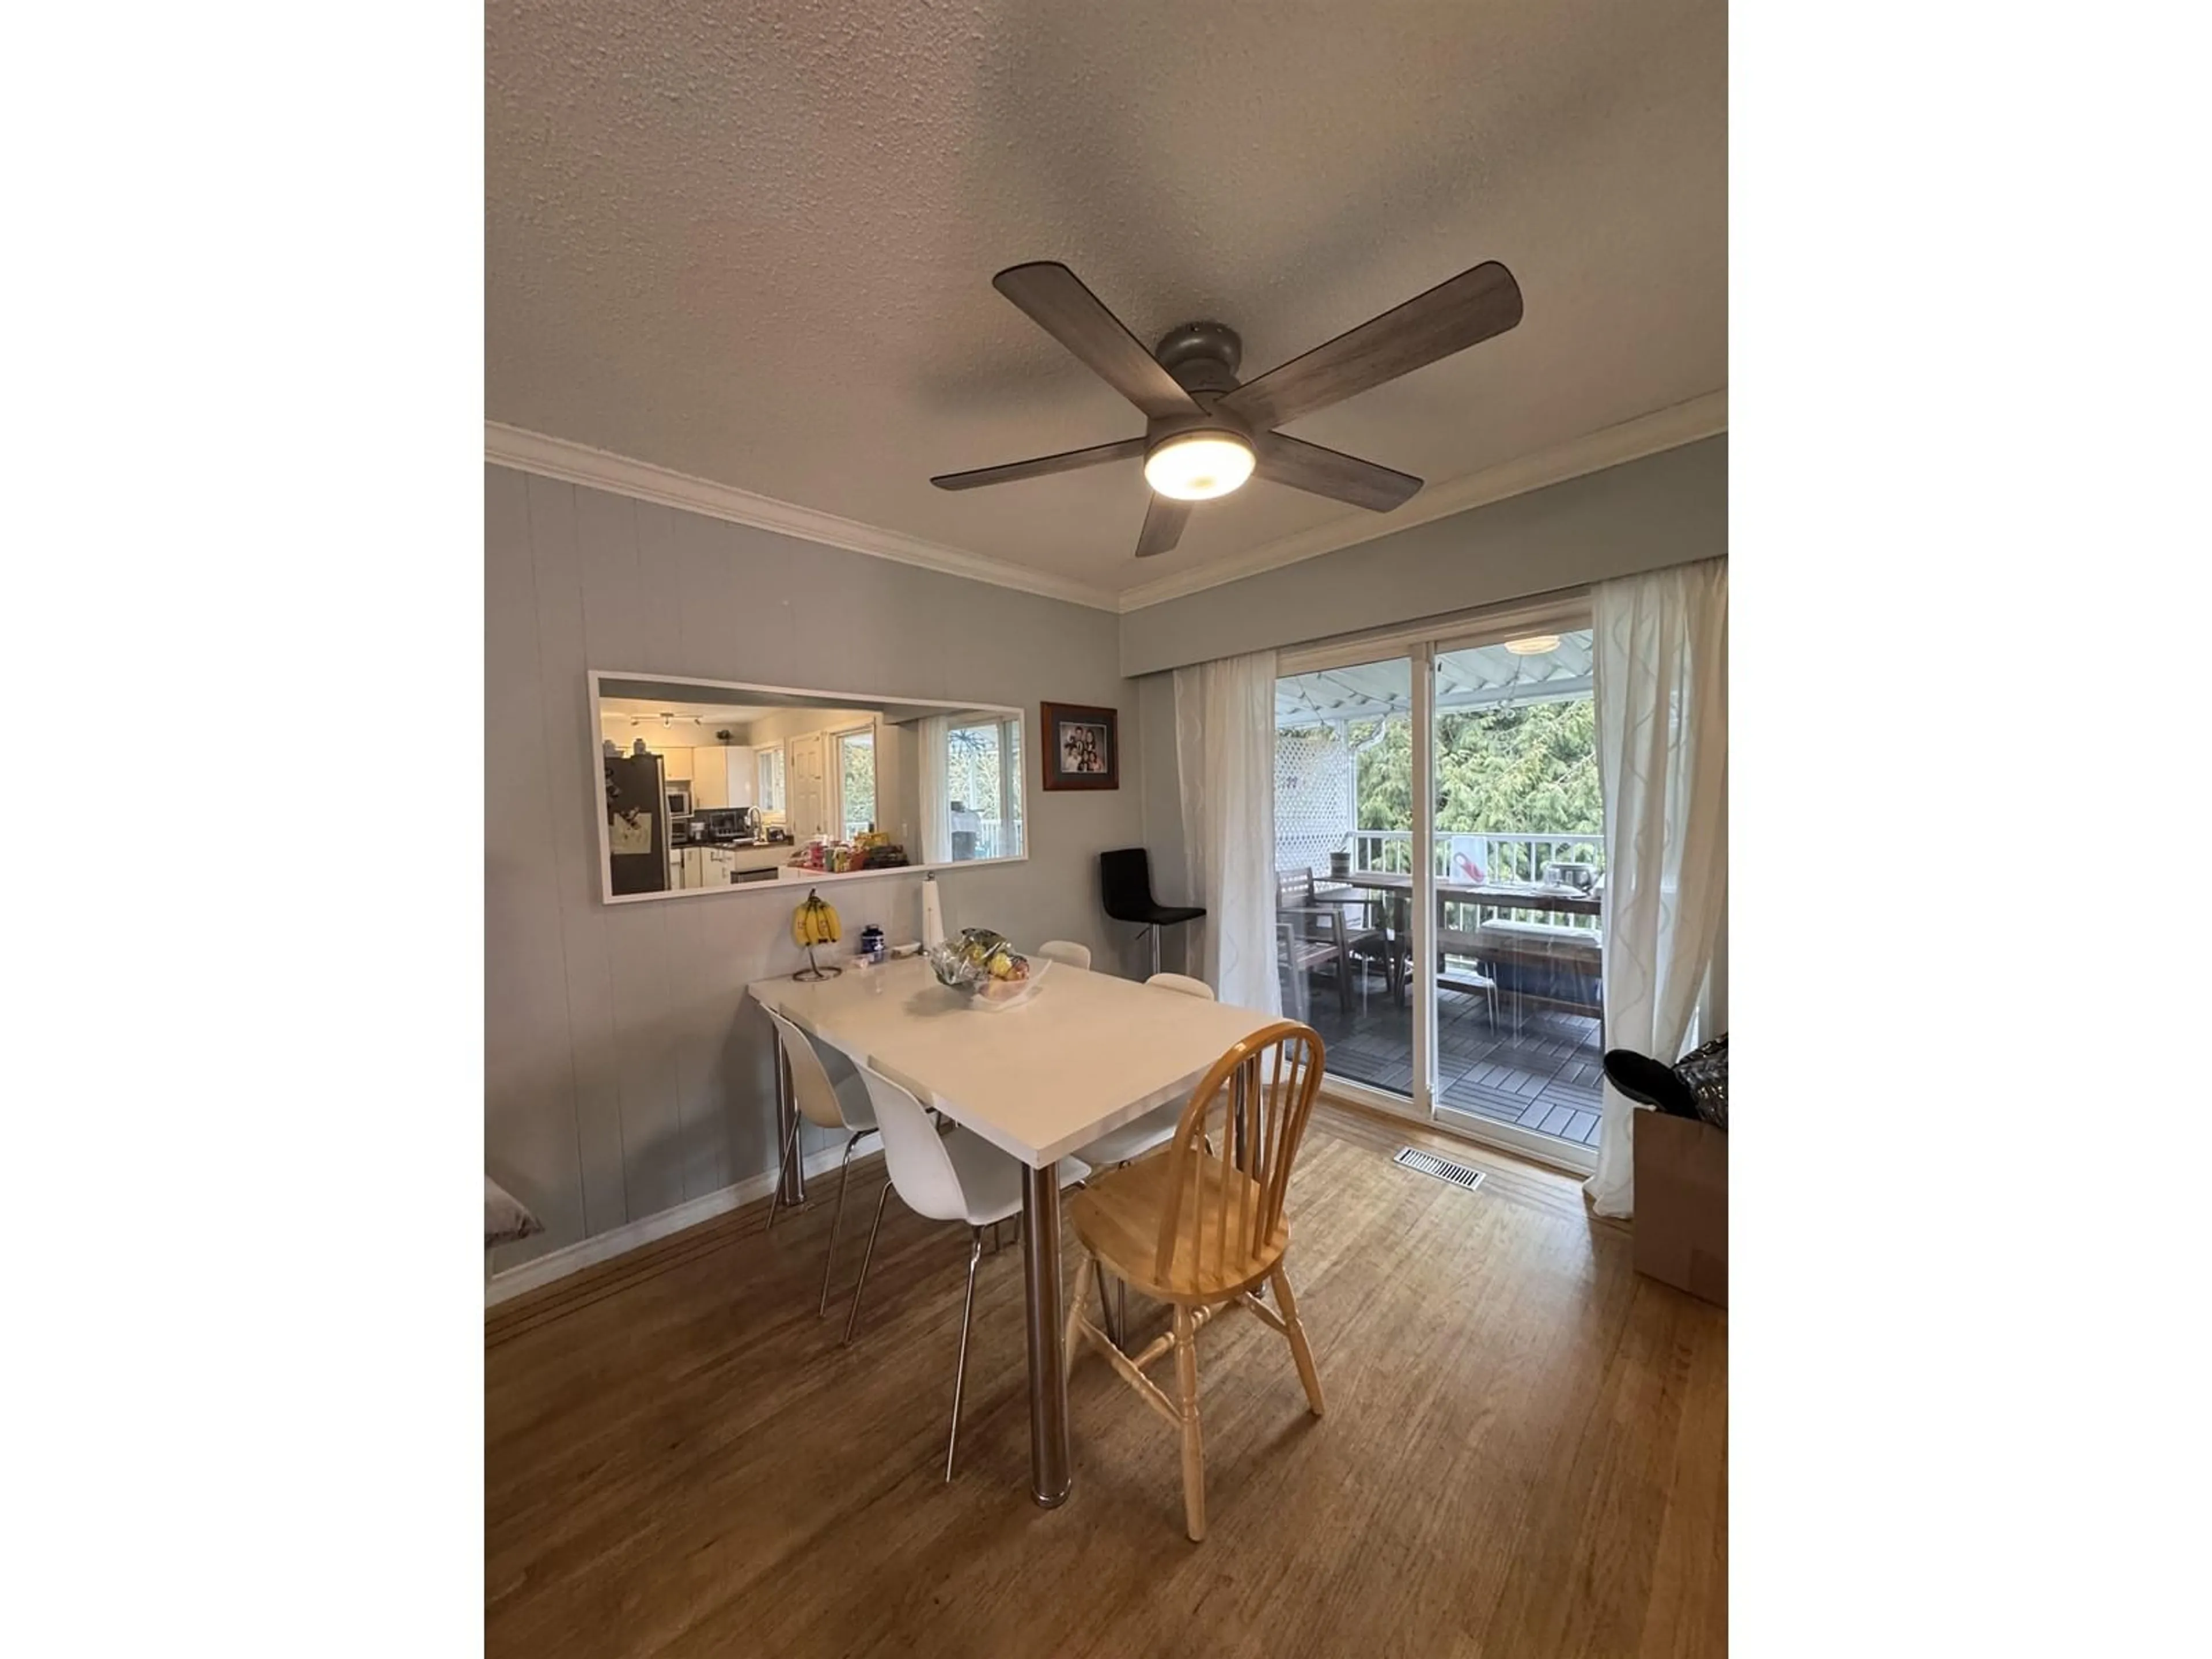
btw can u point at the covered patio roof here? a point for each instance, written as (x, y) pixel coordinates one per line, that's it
(1485, 676)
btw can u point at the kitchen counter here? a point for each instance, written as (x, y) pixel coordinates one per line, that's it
(751, 854)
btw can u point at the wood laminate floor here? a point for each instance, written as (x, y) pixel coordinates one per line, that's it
(1525, 1451)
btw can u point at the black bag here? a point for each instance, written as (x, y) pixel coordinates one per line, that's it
(1695, 1085)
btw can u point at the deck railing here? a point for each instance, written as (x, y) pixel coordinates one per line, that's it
(995, 838)
(1514, 856)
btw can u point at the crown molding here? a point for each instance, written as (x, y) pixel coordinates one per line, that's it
(1629, 441)
(575, 462)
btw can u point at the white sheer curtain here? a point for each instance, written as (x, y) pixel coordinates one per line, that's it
(1225, 766)
(936, 789)
(1660, 666)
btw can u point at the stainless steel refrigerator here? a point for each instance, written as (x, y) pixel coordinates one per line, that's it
(637, 824)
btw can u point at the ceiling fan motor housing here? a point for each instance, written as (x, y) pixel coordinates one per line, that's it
(1202, 357)
(1159, 429)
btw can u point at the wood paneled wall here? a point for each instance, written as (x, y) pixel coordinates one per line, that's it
(624, 1072)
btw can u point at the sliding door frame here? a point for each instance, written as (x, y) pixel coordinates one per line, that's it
(1563, 612)
(1422, 923)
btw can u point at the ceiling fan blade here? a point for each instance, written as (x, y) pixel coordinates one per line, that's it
(1164, 519)
(1451, 317)
(1057, 302)
(1067, 461)
(1330, 472)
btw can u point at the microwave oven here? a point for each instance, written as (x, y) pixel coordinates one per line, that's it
(679, 800)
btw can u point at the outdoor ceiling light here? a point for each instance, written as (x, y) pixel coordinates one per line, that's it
(1197, 466)
(1535, 645)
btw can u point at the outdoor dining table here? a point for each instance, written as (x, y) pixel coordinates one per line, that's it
(1524, 945)
(1085, 1053)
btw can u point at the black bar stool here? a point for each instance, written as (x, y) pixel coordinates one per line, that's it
(1125, 884)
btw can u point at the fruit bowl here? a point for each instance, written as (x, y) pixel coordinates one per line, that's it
(1007, 992)
(983, 967)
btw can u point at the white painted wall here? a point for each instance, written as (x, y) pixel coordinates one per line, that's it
(624, 1071)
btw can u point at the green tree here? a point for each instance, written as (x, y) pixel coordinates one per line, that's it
(1529, 768)
(857, 786)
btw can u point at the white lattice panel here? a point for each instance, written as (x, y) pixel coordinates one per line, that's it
(1315, 780)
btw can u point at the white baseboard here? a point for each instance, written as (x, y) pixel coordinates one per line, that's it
(605, 1247)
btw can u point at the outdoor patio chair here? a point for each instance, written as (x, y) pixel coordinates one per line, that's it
(1310, 935)
(1384, 936)
(1478, 979)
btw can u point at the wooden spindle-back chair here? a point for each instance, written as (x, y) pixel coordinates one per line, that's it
(1202, 1225)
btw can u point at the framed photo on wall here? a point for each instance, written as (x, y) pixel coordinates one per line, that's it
(1082, 747)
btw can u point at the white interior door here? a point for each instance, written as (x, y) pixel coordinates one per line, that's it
(804, 778)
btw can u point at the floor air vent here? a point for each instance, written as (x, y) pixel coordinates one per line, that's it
(1441, 1168)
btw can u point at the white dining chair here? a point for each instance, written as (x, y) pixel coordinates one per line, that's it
(1067, 950)
(1184, 983)
(957, 1176)
(821, 1102)
(1133, 1141)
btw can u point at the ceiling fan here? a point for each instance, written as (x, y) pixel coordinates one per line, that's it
(1205, 434)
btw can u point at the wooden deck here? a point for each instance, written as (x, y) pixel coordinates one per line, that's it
(1543, 1076)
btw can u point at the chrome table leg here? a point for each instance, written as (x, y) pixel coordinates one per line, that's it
(1049, 1478)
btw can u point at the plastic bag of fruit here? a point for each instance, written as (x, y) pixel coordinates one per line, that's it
(977, 961)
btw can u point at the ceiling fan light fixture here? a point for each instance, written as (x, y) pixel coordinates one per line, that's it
(1535, 645)
(1199, 466)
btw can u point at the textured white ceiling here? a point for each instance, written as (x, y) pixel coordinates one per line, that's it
(754, 243)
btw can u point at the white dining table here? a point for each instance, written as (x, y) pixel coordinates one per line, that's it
(1083, 1053)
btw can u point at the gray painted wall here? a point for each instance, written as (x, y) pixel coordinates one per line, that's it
(624, 1070)
(1665, 509)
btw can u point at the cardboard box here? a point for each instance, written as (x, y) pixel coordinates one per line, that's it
(1681, 1204)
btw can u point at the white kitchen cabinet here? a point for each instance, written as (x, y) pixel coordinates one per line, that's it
(722, 775)
(709, 781)
(709, 866)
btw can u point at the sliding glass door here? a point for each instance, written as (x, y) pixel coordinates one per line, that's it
(1343, 854)
(1440, 875)
(1519, 861)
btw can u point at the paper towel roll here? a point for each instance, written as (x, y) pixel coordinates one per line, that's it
(932, 918)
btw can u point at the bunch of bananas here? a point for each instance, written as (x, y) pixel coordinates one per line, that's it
(815, 922)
